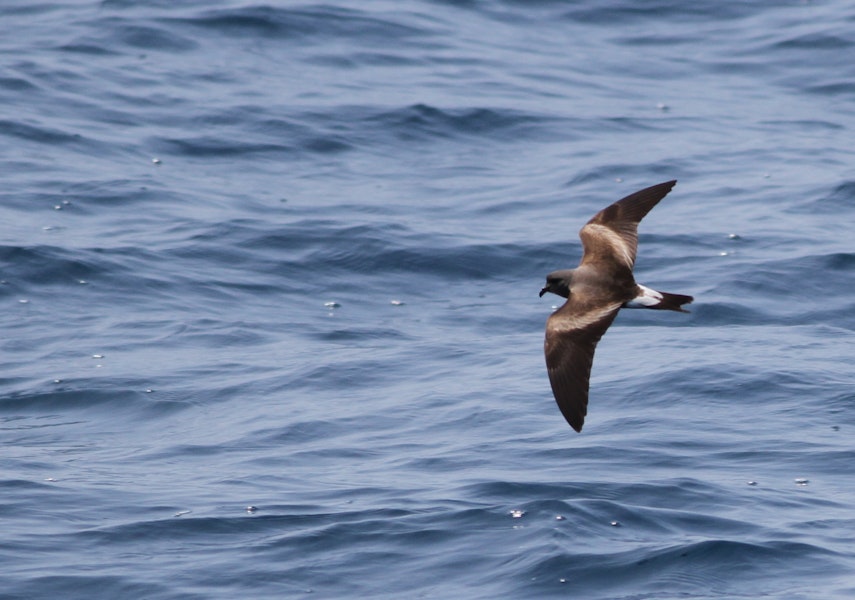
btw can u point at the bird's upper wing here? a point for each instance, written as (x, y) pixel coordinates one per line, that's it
(572, 333)
(613, 232)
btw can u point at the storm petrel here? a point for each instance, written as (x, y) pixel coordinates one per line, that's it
(596, 290)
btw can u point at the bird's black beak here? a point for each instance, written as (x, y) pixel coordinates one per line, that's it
(543, 291)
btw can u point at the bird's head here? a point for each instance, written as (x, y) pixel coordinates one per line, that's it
(558, 282)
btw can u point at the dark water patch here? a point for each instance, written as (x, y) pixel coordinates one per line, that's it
(22, 485)
(741, 383)
(606, 518)
(42, 135)
(45, 265)
(832, 463)
(95, 272)
(717, 567)
(462, 262)
(352, 61)
(69, 395)
(386, 248)
(816, 41)
(366, 127)
(210, 147)
(680, 493)
(16, 84)
(318, 458)
(360, 334)
(841, 405)
(327, 144)
(303, 24)
(793, 291)
(742, 66)
(706, 312)
(818, 125)
(118, 271)
(210, 333)
(613, 13)
(109, 35)
(192, 450)
(841, 315)
(227, 135)
(840, 199)
(94, 196)
(672, 40)
(94, 587)
(132, 4)
(287, 525)
(421, 121)
(381, 531)
(88, 48)
(350, 375)
(146, 37)
(28, 9)
(834, 88)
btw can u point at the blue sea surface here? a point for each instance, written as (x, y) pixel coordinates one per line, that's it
(269, 275)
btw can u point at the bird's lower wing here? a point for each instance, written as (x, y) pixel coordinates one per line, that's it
(571, 338)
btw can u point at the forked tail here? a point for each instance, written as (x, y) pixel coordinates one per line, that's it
(672, 302)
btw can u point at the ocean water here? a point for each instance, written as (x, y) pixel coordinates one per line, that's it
(271, 325)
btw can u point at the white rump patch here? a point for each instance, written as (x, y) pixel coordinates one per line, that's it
(646, 299)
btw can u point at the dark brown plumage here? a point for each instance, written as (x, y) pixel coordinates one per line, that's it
(596, 290)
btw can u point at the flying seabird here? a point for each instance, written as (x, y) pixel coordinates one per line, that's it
(596, 290)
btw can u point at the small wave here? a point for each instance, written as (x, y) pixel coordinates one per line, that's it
(210, 146)
(316, 23)
(816, 41)
(47, 265)
(841, 198)
(421, 120)
(659, 10)
(36, 133)
(716, 567)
